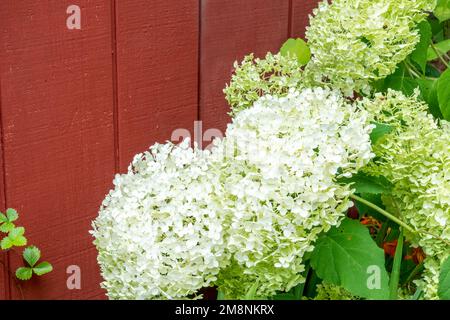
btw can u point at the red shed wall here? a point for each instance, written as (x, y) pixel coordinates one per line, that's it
(76, 105)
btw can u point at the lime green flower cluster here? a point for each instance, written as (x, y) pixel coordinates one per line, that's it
(415, 156)
(354, 42)
(326, 291)
(254, 78)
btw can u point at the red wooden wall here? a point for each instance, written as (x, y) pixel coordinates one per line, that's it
(76, 105)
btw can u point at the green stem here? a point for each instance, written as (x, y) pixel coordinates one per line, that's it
(439, 54)
(411, 71)
(415, 271)
(395, 274)
(383, 212)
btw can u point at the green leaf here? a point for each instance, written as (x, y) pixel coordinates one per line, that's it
(442, 10)
(348, 257)
(7, 227)
(444, 281)
(379, 131)
(441, 47)
(419, 55)
(251, 293)
(24, 273)
(31, 255)
(6, 243)
(428, 90)
(297, 48)
(3, 218)
(395, 274)
(364, 183)
(400, 81)
(12, 215)
(43, 268)
(443, 93)
(16, 237)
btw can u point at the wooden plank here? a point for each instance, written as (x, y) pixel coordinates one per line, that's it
(157, 65)
(230, 30)
(57, 113)
(4, 279)
(301, 9)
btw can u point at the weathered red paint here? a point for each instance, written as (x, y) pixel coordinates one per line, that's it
(76, 105)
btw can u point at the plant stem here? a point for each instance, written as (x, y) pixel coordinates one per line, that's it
(411, 71)
(395, 274)
(383, 212)
(415, 271)
(439, 54)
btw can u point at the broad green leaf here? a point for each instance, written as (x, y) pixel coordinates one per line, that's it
(443, 93)
(400, 81)
(379, 131)
(419, 55)
(24, 273)
(12, 215)
(297, 48)
(43, 268)
(428, 90)
(3, 218)
(442, 10)
(7, 227)
(348, 257)
(6, 243)
(441, 47)
(363, 183)
(31, 255)
(444, 281)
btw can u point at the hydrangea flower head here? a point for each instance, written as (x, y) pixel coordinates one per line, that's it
(253, 78)
(278, 166)
(415, 157)
(354, 42)
(160, 233)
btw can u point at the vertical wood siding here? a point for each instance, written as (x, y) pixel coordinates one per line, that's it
(76, 105)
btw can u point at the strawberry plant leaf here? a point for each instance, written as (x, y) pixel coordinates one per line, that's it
(43, 268)
(12, 215)
(31, 255)
(6, 243)
(24, 273)
(3, 218)
(297, 48)
(419, 55)
(346, 256)
(444, 281)
(7, 227)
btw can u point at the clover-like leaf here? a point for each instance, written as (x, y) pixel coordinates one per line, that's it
(43, 268)
(24, 273)
(31, 255)
(7, 227)
(16, 237)
(12, 215)
(6, 243)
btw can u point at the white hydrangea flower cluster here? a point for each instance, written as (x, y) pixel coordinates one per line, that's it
(278, 164)
(354, 42)
(255, 77)
(160, 232)
(415, 156)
